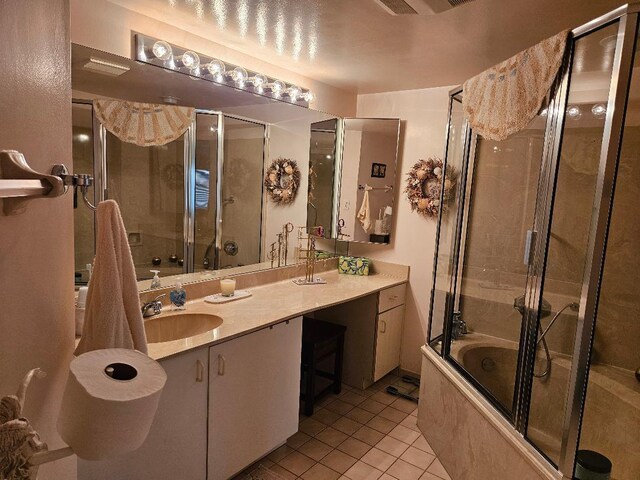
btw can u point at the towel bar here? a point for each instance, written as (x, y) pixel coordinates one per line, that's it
(386, 188)
(19, 183)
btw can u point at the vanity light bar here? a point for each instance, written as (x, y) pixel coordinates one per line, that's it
(166, 55)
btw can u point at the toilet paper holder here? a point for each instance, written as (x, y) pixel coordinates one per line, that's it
(20, 442)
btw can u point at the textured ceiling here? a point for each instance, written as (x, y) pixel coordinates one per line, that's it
(356, 45)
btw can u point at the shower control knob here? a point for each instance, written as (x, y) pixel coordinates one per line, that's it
(231, 248)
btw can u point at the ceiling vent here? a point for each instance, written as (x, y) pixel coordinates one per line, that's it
(457, 3)
(105, 67)
(420, 7)
(397, 7)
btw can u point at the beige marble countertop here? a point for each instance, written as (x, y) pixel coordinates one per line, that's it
(271, 304)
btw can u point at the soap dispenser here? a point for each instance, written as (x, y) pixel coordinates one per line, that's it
(178, 296)
(155, 282)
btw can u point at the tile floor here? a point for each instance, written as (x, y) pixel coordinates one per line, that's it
(357, 435)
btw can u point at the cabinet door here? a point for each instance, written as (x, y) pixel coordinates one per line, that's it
(254, 390)
(177, 443)
(388, 341)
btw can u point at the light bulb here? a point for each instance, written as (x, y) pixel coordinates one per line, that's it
(216, 67)
(162, 50)
(599, 110)
(277, 87)
(293, 92)
(574, 112)
(83, 137)
(308, 96)
(190, 60)
(258, 80)
(239, 75)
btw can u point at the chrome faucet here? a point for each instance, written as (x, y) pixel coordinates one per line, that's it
(154, 307)
(459, 326)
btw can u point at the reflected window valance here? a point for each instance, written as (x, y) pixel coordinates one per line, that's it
(505, 98)
(145, 124)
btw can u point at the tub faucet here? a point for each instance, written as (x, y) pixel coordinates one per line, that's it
(459, 326)
(154, 307)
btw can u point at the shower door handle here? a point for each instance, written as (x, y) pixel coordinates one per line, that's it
(529, 246)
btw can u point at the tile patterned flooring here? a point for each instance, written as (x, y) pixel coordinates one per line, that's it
(357, 435)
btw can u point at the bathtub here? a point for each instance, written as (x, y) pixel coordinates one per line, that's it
(611, 423)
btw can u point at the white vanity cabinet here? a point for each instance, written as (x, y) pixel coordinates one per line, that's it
(374, 334)
(389, 330)
(177, 443)
(254, 389)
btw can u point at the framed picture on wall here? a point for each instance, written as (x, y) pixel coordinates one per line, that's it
(378, 170)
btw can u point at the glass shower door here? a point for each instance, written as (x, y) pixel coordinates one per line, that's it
(206, 182)
(502, 184)
(566, 250)
(83, 217)
(457, 147)
(149, 185)
(242, 192)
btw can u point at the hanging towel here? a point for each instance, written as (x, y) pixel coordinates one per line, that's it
(113, 318)
(364, 214)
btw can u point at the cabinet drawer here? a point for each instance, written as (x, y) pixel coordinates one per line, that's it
(391, 297)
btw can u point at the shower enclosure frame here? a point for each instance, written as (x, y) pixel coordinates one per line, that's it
(100, 192)
(627, 21)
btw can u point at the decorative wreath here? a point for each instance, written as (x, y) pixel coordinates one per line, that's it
(282, 180)
(424, 185)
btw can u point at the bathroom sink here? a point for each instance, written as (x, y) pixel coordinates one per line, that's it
(179, 325)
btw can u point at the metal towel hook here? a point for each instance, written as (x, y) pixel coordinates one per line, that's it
(78, 180)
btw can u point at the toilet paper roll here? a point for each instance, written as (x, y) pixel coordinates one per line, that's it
(378, 228)
(109, 402)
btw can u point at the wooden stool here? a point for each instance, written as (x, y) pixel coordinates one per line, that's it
(320, 340)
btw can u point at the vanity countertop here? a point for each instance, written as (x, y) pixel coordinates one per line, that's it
(271, 304)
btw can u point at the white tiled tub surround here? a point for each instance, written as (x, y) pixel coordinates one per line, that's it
(470, 437)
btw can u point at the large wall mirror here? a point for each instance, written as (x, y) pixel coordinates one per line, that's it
(323, 164)
(197, 206)
(368, 177)
(200, 205)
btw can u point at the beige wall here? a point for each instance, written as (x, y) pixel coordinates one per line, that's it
(108, 27)
(36, 247)
(377, 147)
(424, 118)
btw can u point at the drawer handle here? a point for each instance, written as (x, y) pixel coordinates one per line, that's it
(383, 324)
(393, 297)
(199, 371)
(221, 365)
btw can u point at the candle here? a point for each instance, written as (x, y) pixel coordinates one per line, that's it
(227, 287)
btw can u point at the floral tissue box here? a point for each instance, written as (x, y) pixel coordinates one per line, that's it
(353, 265)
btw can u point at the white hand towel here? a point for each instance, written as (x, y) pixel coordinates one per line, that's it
(112, 314)
(364, 214)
